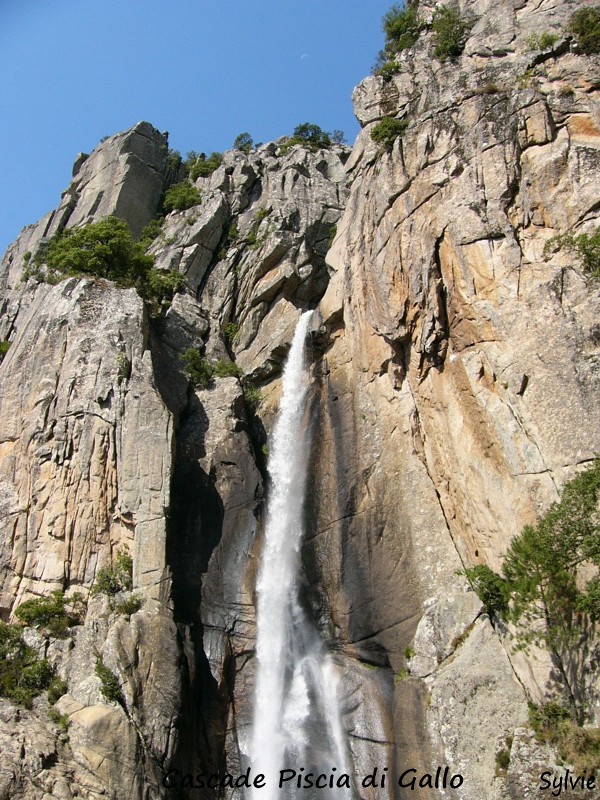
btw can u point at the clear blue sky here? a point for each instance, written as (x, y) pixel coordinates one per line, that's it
(74, 71)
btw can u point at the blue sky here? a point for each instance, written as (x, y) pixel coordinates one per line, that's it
(74, 71)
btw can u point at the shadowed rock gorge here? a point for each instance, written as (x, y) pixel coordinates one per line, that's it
(455, 361)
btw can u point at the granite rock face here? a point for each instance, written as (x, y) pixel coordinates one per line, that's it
(455, 391)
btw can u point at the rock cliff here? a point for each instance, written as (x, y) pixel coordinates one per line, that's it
(455, 366)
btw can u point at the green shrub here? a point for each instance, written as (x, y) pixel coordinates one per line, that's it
(262, 213)
(56, 690)
(492, 590)
(402, 675)
(388, 130)
(231, 331)
(23, 675)
(181, 196)
(4, 348)
(243, 142)
(312, 135)
(252, 395)
(62, 720)
(503, 759)
(388, 70)
(106, 249)
(197, 369)
(151, 232)
(123, 367)
(550, 601)
(159, 289)
(584, 24)
(449, 33)
(308, 135)
(226, 369)
(541, 41)
(173, 159)
(129, 606)
(401, 27)
(111, 688)
(585, 246)
(580, 747)
(48, 613)
(203, 167)
(116, 578)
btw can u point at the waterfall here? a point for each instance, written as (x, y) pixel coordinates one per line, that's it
(297, 721)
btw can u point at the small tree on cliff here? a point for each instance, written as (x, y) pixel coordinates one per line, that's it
(542, 590)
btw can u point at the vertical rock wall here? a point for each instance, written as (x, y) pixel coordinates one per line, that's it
(455, 391)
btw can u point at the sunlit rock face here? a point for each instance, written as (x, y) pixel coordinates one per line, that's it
(454, 392)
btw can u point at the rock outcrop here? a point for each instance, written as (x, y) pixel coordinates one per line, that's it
(455, 365)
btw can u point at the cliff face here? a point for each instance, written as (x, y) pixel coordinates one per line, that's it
(455, 391)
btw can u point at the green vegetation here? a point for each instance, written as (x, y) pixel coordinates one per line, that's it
(388, 69)
(129, 606)
(116, 578)
(197, 369)
(503, 759)
(159, 289)
(123, 367)
(231, 331)
(402, 675)
(181, 196)
(106, 249)
(4, 348)
(492, 590)
(243, 142)
(252, 395)
(585, 246)
(579, 747)
(201, 372)
(62, 720)
(401, 27)
(312, 137)
(408, 652)
(56, 689)
(23, 675)
(111, 688)
(151, 232)
(541, 41)
(226, 369)
(546, 590)
(449, 33)
(199, 166)
(584, 24)
(48, 613)
(388, 130)
(173, 159)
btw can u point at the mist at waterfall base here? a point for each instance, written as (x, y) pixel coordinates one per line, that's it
(297, 723)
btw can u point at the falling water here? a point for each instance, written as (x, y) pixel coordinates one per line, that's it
(296, 714)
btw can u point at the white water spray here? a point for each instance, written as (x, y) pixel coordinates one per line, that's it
(296, 714)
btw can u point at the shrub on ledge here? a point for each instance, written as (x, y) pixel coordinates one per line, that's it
(388, 130)
(449, 33)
